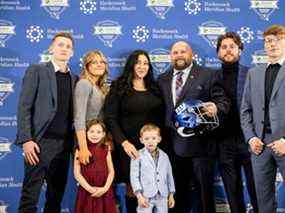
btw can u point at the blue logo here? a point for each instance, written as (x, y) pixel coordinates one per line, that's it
(210, 31)
(6, 87)
(160, 7)
(5, 147)
(7, 30)
(88, 6)
(264, 8)
(54, 7)
(192, 7)
(160, 60)
(107, 31)
(45, 56)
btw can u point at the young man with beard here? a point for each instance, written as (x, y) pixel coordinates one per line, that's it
(263, 118)
(45, 117)
(233, 151)
(193, 157)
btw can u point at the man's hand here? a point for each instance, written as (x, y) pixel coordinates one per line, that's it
(84, 154)
(256, 145)
(142, 201)
(278, 147)
(31, 151)
(130, 149)
(210, 108)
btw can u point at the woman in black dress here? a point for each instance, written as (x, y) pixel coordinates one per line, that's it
(134, 100)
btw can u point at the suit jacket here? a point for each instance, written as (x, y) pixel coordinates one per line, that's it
(202, 84)
(150, 179)
(38, 102)
(252, 107)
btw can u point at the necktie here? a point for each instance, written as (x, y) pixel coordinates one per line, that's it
(179, 84)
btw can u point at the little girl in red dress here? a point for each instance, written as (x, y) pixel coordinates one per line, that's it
(95, 194)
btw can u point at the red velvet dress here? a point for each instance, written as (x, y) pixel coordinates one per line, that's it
(95, 173)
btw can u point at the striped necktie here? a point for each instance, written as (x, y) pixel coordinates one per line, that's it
(178, 84)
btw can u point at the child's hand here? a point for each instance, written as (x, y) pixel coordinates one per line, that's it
(142, 201)
(171, 201)
(99, 191)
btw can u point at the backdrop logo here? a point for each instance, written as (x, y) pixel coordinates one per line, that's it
(246, 34)
(160, 7)
(88, 6)
(6, 87)
(222, 205)
(45, 56)
(210, 31)
(197, 59)
(279, 181)
(5, 147)
(160, 60)
(193, 7)
(3, 207)
(34, 34)
(107, 31)
(7, 30)
(54, 7)
(264, 8)
(141, 34)
(259, 57)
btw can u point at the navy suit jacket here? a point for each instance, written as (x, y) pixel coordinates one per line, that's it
(201, 84)
(38, 102)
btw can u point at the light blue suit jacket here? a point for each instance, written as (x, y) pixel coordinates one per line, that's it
(252, 107)
(149, 178)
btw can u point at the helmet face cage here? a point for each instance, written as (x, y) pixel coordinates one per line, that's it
(190, 118)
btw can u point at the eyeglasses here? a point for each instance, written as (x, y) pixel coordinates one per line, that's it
(271, 39)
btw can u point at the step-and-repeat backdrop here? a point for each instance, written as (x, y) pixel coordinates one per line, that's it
(117, 27)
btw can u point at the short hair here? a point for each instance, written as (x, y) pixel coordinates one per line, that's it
(65, 35)
(149, 127)
(232, 35)
(274, 30)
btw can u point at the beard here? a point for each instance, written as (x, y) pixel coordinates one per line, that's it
(181, 66)
(230, 60)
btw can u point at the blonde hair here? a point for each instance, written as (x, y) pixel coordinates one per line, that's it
(87, 59)
(149, 127)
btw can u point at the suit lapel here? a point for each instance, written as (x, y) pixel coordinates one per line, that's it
(261, 82)
(279, 79)
(194, 72)
(52, 80)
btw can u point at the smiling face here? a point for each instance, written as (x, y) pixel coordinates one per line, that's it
(141, 67)
(96, 67)
(229, 51)
(150, 139)
(181, 55)
(95, 133)
(61, 49)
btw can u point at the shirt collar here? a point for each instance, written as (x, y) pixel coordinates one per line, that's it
(280, 62)
(57, 68)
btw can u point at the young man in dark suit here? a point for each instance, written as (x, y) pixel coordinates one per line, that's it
(45, 117)
(193, 158)
(233, 151)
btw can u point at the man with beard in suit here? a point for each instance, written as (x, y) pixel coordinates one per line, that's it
(193, 157)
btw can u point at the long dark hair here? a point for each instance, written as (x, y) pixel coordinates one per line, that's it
(124, 84)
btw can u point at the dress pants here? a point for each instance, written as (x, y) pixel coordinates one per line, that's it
(231, 161)
(157, 204)
(264, 168)
(53, 168)
(194, 178)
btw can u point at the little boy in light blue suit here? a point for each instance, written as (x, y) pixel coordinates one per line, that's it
(151, 174)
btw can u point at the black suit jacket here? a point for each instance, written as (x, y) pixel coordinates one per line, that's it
(202, 84)
(38, 102)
